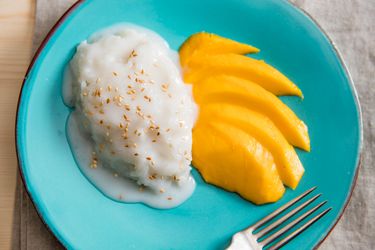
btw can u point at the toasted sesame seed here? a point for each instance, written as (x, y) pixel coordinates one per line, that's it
(101, 111)
(175, 178)
(135, 154)
(126, 117)
(114, 73)
(109, 87)
(125, 136)
(84, 93)
(165, 87)
(108, 100)
(153, 140)
(96, 93)
(148, 158)
(127, 107)
(133, 53)
(161, 190)
(140, 114)
(101, 121)
(120, 125)
(169, 198)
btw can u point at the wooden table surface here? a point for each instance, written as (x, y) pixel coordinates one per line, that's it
(16, 26)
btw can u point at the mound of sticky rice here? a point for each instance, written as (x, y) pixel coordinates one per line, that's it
(130, 98)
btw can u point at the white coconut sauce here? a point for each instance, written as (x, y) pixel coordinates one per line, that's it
(131, 127)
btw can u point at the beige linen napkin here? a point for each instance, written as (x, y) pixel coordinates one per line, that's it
(351, 24)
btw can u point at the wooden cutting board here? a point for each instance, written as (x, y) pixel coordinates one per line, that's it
(16, 31)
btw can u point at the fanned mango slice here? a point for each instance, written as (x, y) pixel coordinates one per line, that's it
(203, 42)
(230, 158)
(243, 138)
(261, 73)
(263, 130)
(235, 90)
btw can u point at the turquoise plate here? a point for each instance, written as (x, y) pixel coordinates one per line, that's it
(81, 217)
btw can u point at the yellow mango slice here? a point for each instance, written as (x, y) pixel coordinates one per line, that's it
(264, 131)
(203, 65)
(204, 42)
(238, 91)
(243, 138)
(232, 159)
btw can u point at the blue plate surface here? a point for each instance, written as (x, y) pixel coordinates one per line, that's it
(83, 218)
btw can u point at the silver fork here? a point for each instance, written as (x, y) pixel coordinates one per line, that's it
(249, 239)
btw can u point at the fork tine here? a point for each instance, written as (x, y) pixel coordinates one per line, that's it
(277, 234)
(280, 210)
(299, 230)
(267, 229)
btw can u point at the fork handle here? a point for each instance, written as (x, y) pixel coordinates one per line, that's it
(244, 241)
